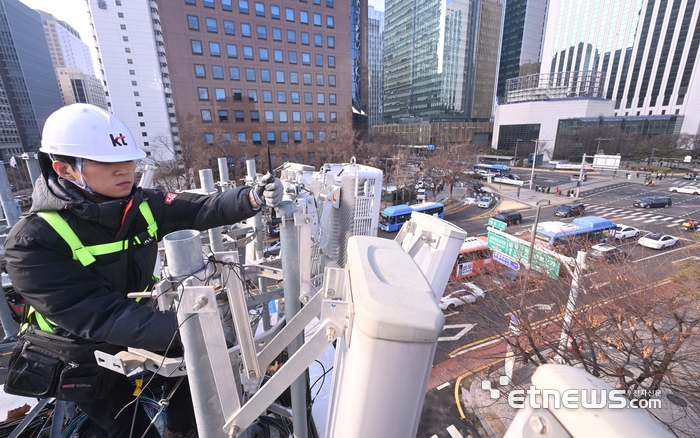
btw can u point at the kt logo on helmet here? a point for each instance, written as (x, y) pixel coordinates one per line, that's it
(118, 141)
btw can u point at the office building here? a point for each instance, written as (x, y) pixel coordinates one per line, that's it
(521, 43)
(250, 73)
(441, 58)
(134, 71)
(72, 63)
(28, 87)
(645, 50)
(375, 55)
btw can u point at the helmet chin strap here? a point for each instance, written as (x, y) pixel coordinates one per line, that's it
(84, 186)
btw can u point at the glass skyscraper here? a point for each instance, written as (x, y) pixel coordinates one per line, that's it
(440, 58)
(376, 65)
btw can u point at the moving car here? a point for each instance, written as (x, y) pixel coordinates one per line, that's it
(690, 225)
(461, 297)
(657, 241)
(607, 253)
(690, 175)
(624, 232)
(509, 217)
(568, 210)
(420, 195)
(653, 201)
(485, 202)
(691, 190)
(575, 178)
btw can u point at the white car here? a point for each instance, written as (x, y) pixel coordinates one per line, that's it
(691, 190)
(657, 241)
(461, 297)
(624, 232)
(485, 202)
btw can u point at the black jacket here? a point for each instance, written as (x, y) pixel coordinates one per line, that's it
(90, 302)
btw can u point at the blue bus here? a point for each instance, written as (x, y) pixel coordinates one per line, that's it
(392, 218)
(579, 235)
(495, 169)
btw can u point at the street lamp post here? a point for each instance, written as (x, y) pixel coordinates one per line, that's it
(516, 150)
(599, 139)
(534, 160)
(651, 160)
(539, 204)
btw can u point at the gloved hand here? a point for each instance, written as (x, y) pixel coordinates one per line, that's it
(268, 191)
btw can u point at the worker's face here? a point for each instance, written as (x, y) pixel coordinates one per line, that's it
(114, 180)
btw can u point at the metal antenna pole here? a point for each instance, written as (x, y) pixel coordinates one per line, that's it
(223, 173)
(9, 206)
(292, 306)
(206, 179)
(146, 181)
(257, 219)
(32, 167)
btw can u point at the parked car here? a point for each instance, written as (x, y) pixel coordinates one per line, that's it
(624, 232)
(273, 249)
(509, 217)
(653, 202)
(657, 241)
(691, 190)
(569, 210)
(486, 202)
(461, 297)
(607, 253)
(690, 175)
(690, 225)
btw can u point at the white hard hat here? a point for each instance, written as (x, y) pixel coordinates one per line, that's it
(86, 131)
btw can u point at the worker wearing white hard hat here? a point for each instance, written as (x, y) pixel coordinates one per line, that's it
(91, 238)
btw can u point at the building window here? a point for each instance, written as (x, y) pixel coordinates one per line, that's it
(199, 71)
(120, 14)
(321, 136)
(308, 98)
(223, 116)
(307, 78)
(225, 136)
(134, 83)
(241, 137)
(279, 76)
(246, 30)
(259, 9)
(196, 47)
(243, 6)
(209, 138)
(254, 116)
(318, 20)
(320, 98)
(334, 117)
(297, 136)
(139, 114)
(262, 32)
(122, 26)
(309, 135)
(329, 3)
(295, 97)
(217, 72)
(289, 14)
(229, 27)
(206, 116)
(303, 17)
(319, 79)
(264, 54)
(236, 94)
(321, 116)
(306, 58)
(296, 116)
(267, 96)
(190, 2)
(309, 116)
(125, 38)
(331, 80)
(209, 4)
(144, 134)
(330, 42)
(250, 74)
(270, 137)
(203, 93)
(127, 50)
(305, 39)
(211, 25)
(129, 61)
(193, 22)
(284, 137)
(265, 75)
(331, 61)
(292, 57)
(330, 21)
(252, 95)
(318, 40)
(220, 94)
(275, 12)
(281, 97)
(226, 5)
(214, 49)
(293, 77)
(276, 34)
(291, 36)
(279, 55)
(234, 73)
(282, 116)
(238, 114)
(319, 60)
(269, 116)
(248, 52)
(231, 51)
(257, 138)
(331, 99)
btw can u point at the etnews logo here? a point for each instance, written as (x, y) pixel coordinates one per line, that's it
(572, 398)
(119, 140)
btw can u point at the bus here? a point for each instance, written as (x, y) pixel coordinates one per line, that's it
(392, 218)
(495, 169)
(474, 256)
(569, 238)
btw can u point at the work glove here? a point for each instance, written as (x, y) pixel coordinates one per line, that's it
(268, 191)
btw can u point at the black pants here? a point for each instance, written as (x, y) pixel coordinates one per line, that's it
(102, 412)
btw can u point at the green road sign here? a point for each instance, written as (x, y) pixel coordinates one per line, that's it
(497, 224)
(540, 262)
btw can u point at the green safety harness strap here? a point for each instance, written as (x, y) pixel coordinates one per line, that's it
(86, 254)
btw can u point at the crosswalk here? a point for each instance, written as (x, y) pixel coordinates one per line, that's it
(638, 217)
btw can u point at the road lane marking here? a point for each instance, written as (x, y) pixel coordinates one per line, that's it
(444, 385)
(454, 433)
(465, 329)
(687, 258)
(663, 252)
